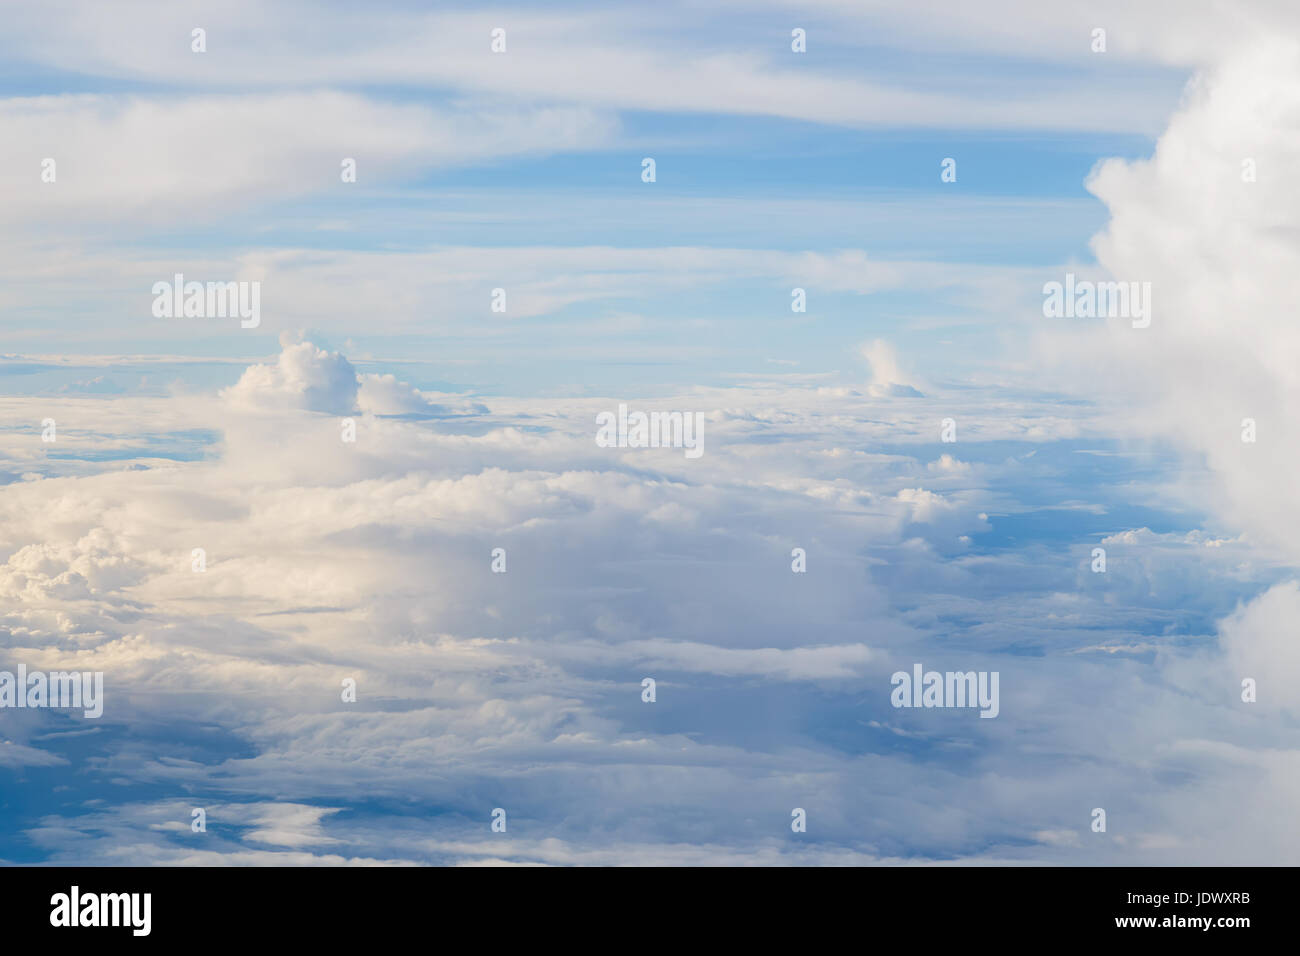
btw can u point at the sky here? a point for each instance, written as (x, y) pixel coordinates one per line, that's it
(438, 336)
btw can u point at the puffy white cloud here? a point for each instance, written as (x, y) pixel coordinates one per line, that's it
(1222, 259)
(303, 376)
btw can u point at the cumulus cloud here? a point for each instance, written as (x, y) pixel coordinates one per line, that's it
(304, 377)
(1216, 243)
(887, 379)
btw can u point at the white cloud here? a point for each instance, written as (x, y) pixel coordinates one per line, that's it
(644, 61)
(303, 377)
(372, 561)
(1260, 642)
(1222, 259)
(164, 162)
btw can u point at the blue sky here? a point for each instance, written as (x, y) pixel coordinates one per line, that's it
(330, 560)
